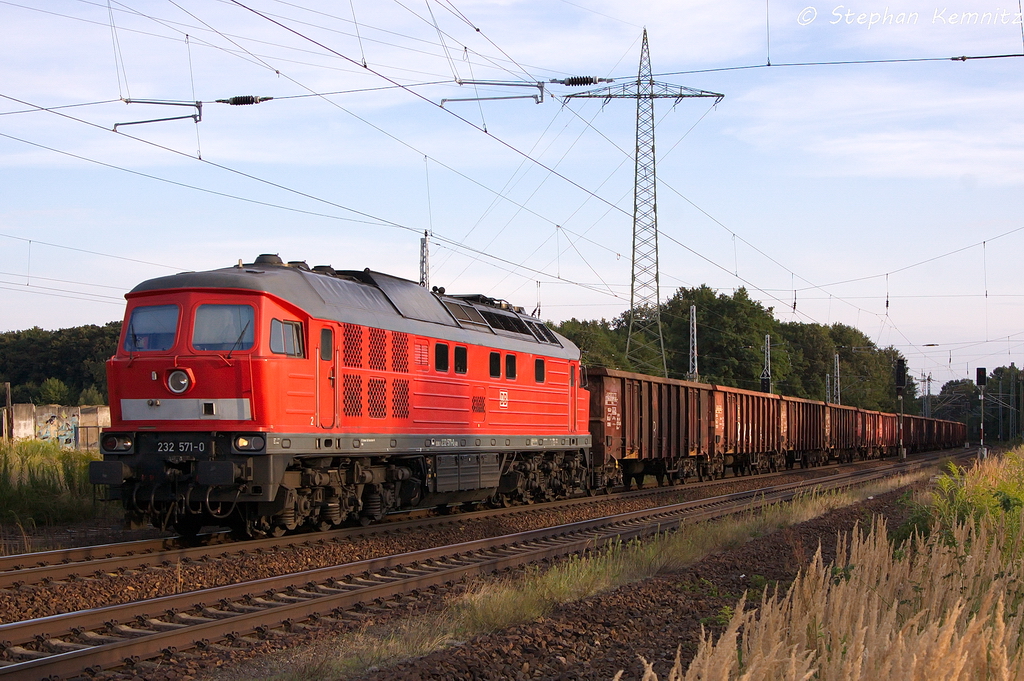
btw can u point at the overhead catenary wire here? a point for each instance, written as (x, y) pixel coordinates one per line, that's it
(359, 38)
(986, 287)
(484, 130)
(118, 57)
(370, 218)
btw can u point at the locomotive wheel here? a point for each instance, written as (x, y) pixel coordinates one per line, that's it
(501, 501)
(188, 526)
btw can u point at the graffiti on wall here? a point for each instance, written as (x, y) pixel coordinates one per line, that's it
(58, 424)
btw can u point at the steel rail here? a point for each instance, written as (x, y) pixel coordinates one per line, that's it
(100, 637)
(45, 566)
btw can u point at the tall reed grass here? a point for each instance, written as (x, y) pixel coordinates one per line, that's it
(42, 484)
(926, 611)
(949, 605)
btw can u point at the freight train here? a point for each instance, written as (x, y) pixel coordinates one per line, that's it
(271, 396)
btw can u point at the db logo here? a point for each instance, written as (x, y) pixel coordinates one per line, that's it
(503, 399)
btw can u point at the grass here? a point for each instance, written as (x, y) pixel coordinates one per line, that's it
(498, 604)
(949, 605)
(42, 484)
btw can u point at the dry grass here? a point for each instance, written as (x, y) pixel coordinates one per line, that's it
(949, 606)
(928, 611)
(498, 604)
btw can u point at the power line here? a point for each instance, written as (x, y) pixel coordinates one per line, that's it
(72, 248)
(848, 62)
(373, 220)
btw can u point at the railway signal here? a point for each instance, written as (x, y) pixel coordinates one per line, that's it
(981, 376)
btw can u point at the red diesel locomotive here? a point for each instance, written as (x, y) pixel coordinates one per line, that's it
(270, 395)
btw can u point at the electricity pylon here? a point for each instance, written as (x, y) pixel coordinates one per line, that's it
(645, 345)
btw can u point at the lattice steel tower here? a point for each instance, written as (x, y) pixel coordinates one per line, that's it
(645, 346)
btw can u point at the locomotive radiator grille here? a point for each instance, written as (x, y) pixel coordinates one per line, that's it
(353, 395)
(353, 346)
(378, 350)
(377, 398)
(400, 398)
(400, 352)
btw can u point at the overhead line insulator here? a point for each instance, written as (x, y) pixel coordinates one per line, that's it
(581, 80)
(244, 100)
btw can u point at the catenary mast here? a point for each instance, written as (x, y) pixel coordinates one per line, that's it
(645, 345)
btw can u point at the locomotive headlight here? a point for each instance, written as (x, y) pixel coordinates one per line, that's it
(249, 443)
(117, 443)
(178, 382)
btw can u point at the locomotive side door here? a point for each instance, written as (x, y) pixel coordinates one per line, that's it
(327, 402)
(573, 407)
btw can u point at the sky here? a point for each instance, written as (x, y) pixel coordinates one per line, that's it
(862, 177)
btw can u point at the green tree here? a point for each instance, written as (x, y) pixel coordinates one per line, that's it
(730, 337)
(53, 391)
(600, 343)
(74, 355)
(90, 396)
(811, 351)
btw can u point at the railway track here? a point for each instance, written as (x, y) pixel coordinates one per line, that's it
(69, 645)
(83, 562)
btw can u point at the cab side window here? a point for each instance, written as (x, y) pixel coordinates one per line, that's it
(326, 345)
(441, 357)
(286, 338)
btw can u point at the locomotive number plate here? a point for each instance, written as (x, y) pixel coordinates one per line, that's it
(181, 444)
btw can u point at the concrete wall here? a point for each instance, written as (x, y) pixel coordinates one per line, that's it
(91, 419)
(71, 427)
(24, 421)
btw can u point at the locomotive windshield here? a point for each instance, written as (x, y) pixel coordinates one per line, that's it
(223, 327)
(151, 328)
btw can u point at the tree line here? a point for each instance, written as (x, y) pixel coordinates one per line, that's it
(66, 366)
(731, 330)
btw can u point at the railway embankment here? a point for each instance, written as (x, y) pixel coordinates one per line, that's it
(578, 619)
(407, 602)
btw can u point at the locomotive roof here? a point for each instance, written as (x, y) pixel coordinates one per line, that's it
(380, 300)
